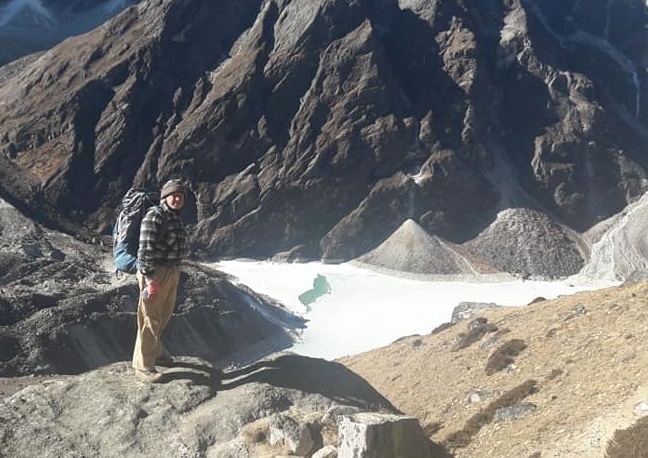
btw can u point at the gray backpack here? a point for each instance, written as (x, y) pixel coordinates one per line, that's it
(126, 230)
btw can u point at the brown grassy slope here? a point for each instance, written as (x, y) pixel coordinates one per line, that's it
(581, 360)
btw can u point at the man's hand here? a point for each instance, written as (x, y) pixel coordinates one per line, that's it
(152, 287)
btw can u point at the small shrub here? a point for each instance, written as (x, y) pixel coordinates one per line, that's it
(462, 438)
(432, 428)
(442, 327)
(503, 356)
(629, 443)
(476, 330)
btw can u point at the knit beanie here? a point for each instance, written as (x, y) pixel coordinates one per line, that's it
(172, 186)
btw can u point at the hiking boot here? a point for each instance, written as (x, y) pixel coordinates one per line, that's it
(151, 376)
(164, 361)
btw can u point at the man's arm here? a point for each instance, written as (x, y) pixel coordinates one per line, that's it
(149, 233)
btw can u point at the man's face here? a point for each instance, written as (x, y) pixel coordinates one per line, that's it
(175, 200)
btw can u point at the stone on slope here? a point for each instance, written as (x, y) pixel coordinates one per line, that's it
(377, 435)
(292, 434)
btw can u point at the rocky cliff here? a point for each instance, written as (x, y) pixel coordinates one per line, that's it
(316, 129)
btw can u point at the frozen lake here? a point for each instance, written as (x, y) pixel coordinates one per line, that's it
(353, 309)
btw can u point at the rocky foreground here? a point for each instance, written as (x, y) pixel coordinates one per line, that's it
(283, 406)
(67, 329)
(63, 310)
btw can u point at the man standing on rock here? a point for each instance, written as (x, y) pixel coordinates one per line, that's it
(162, 245)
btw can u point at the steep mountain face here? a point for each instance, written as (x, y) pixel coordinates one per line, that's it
(316, 129)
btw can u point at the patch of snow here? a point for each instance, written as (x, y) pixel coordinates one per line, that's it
(36, 11)
(419, 177)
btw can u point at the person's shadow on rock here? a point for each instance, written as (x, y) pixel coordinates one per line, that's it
(196, 373)
(310, 375)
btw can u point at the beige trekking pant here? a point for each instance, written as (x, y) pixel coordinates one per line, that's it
(153, 315)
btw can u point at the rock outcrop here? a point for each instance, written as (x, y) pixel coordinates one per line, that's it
(382, 436)
(283, 405)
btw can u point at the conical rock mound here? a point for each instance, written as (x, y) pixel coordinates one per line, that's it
(527, 242)
(411, 249)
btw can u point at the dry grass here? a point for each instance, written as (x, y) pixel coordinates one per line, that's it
(584, 353)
